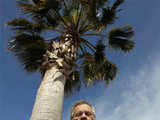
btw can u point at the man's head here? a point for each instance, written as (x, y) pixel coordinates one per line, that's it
(82, 110)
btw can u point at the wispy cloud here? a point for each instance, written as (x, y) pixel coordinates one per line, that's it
(141, 101)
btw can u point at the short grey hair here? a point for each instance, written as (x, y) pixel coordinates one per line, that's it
(80, 102)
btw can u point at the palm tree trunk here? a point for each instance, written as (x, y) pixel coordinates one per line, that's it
(49, 100)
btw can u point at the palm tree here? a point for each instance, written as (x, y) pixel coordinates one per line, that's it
(52, 39)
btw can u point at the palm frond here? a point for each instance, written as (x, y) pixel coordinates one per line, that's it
(40, 10)
(31, 58)
(88, 69)
(29, 49)
(108, 16)
(73, 83)
(94, 72)
(26, 6)
(23, 25)
(121, 38)
(108, 71)
(52, 20)
(124, 31)
(88, 44)
(100, 52)
(39, 6)
(117, 4)
(91, 12)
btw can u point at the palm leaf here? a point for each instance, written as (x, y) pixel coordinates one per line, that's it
(94, 72)
(121, 38)
(23, 25)
(38, 6)
(117, 4)
(29, 49)
(108, 16)
(26, 6)
(108, 71)
(100, 52)
(73, 83)
(39, 11)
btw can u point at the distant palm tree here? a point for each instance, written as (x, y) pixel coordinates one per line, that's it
(52, 39)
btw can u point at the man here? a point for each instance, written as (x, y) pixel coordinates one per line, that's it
(82, 110)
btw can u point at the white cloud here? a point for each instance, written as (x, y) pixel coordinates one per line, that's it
(141, 101)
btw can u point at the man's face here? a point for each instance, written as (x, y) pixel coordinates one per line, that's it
(83, 112)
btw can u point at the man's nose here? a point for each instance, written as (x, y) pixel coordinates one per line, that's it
(84, 117)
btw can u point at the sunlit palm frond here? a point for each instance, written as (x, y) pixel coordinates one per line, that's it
(121, 38)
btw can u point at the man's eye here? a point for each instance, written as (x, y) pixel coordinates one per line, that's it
(79, 114)
(88, 113)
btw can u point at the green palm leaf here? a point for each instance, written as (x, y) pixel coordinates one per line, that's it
(73, 83)
(121, 38)
(109, 71)
(26, 6)
(94, 72)
(23, 25)
(29, 49)
(108, 16)
(117, 4)
(100, 52)
(39, 6)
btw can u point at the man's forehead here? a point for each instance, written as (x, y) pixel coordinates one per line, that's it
(83, 107)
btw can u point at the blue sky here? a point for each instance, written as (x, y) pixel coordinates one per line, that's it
(134, 95)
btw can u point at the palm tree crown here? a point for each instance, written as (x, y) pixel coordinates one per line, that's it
(68, 49)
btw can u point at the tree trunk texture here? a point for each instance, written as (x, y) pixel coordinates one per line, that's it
(49, 100)
(50, 96)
